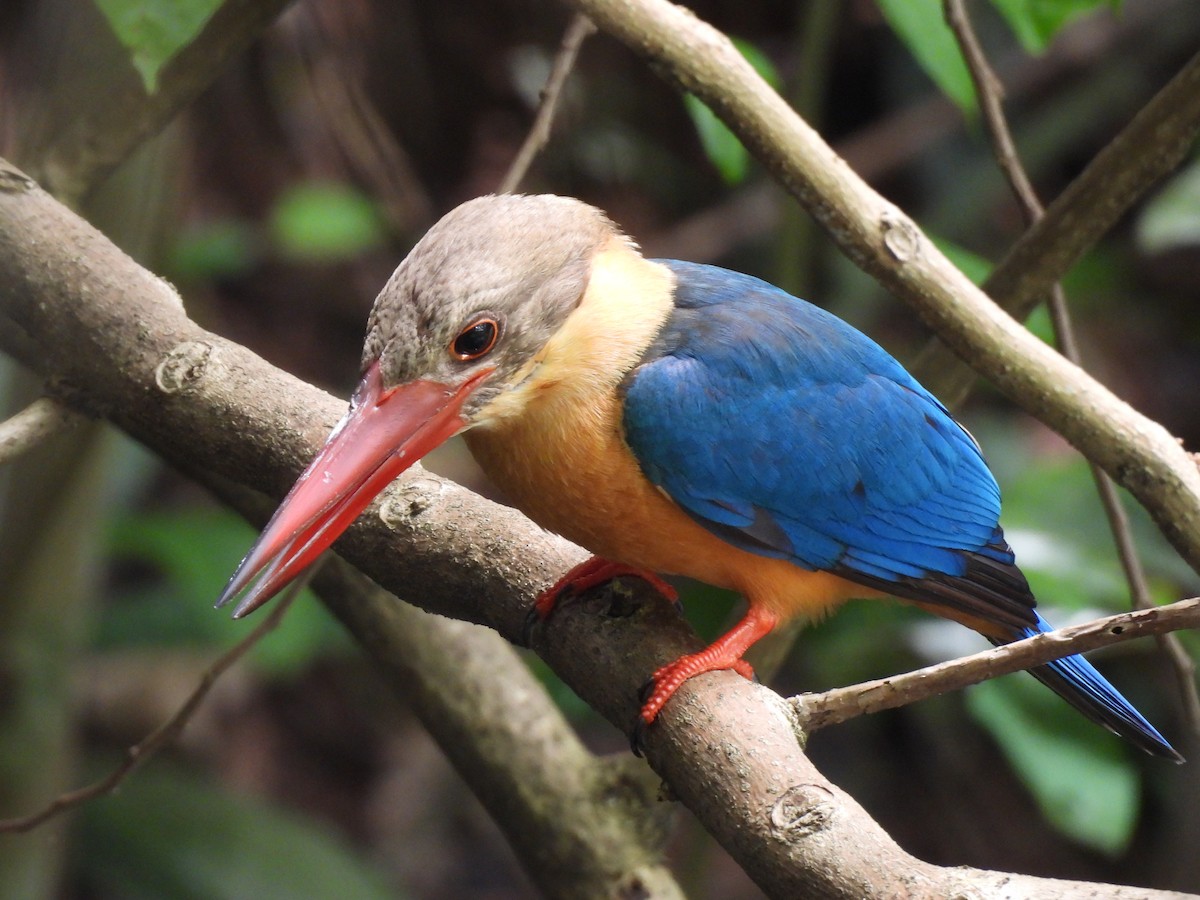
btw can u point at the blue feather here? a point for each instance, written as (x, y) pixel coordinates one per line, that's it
(753, 404)
(790, 434)
(1075, 679)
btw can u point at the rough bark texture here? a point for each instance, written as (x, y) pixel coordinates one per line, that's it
(114, 341)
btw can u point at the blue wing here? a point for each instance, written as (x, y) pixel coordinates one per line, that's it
(787, 432)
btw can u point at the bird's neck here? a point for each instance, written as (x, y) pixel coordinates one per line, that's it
(626, 302)
(554, 445)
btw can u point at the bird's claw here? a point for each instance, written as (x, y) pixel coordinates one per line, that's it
(661, 686)
(582, 578)
(637, 737)
(641, 725)
(533, 619)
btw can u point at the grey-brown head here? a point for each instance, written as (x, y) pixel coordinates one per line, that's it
(486, 287)
(477, 298)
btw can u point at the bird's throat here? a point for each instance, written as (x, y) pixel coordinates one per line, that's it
(625, 304)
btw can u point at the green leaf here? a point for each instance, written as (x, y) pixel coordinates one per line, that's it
(1036, 22)
(1172, 219)
(974, 266)
(922, 28)
(153, 31)
(167, 833)
(325, 222)
(1080, 775)
(720, 144)
(1056, 524)
(225, 248)
(191, 553)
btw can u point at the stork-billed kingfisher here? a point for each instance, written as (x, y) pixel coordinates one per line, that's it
(671, 418)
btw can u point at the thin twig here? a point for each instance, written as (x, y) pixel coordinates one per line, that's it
(39, 420)
(990, 92)
(143, 751)
(330, 51)
(1154, 142)
(831, 707)
(581, 26)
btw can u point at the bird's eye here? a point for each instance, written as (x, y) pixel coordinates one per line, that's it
(475, 340)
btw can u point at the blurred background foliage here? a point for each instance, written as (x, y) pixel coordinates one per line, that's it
(280, 202)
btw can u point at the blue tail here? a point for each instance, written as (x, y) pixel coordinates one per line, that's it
(1074, 679)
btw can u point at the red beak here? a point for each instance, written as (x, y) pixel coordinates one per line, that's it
(384, 433)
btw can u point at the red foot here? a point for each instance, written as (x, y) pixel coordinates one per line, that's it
(589, 574)
(724, 653)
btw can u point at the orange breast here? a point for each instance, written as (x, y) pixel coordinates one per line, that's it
(553, 444)
(570, 471)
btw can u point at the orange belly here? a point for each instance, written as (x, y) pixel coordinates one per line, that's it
(554, 445)
(569, 469)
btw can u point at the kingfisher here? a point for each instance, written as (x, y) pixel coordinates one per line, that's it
(671, 418)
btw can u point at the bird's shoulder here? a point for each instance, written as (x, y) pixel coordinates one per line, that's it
(740, 327)
(789, 432)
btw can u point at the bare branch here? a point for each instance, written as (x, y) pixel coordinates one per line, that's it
(817, 711)
(143, 751)
(887, 244)
(990, 90)
(577, 32)
(38, 421)
(581, 826)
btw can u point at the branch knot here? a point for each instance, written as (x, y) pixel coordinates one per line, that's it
(802, 810)
(183, 367)
(900, 237)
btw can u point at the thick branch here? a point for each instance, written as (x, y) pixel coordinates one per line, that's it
(1136, 451)
(116, 342)
(582, 826)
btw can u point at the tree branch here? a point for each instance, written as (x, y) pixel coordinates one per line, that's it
(990, 92)
(581, 826)
(818, 711)
(26, 429)
(883, 241)
(117, 343)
